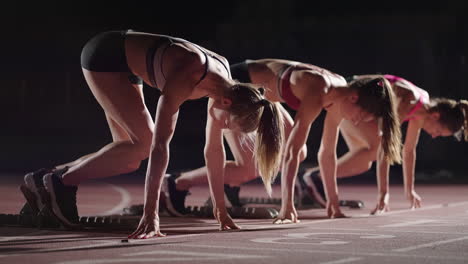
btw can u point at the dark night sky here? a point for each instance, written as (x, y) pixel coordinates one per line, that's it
(51, 116)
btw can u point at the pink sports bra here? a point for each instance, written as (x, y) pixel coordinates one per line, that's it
(284, 88)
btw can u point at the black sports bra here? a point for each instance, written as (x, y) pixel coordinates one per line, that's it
(167, 42)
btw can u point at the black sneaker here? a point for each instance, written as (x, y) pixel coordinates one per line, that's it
(62, 199)
(175, 199)
(33, 189)
(232, 194)
(313, 192)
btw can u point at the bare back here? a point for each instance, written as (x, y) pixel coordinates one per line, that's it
(411, 98)
(268, 72)
(171, 57)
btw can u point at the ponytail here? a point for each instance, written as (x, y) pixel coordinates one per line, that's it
(253, 112)
(376, 97)
(463, 105)
(268, 144)
(391, 132)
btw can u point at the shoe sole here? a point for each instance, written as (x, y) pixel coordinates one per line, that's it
(169, 206)
(53, 206)
(31, 199)
(313, 193)
(209, 202)
(32, 194)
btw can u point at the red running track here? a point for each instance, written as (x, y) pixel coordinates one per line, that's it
(436, 233)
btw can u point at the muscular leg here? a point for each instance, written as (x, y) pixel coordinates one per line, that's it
(239, 171)
(362, 152)
(129, 121)
(363, 142)
(118, 134)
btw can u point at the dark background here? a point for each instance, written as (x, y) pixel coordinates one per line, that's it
(50, 117)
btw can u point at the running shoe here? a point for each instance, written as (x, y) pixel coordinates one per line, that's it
(175, 199)
(33, 189)
(232, 195)
(62, 199)
(313, 192)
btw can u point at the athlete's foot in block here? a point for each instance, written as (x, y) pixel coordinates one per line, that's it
(62, 200)
(175, 199)
(312, 189)
(32, 189)
(287, 215)
(232, 195)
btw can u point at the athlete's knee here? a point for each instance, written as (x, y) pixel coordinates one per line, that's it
(303, 153)
(142, 145)
(133, 166)
(368, 165)
(245, 174)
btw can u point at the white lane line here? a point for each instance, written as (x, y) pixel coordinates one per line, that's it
(103, 243)
(345, 260)
(410, 223)
(430, 244)
(425, 208)
(123, 260)
(319, 238)
(191, 253)
(25, 236)
(391, 231)
(124, 201)
(329, 252)
(186, 256)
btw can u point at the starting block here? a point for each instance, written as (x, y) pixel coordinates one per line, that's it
(236, 212)
(355, 204)
(110, 222)
(207, 211)
(304, 203)
(26, 218)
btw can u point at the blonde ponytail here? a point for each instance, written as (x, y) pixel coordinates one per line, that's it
(270, 134)
(253, 112)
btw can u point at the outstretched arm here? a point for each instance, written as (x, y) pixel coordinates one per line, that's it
(383, 170)
(215, 158)
(327, 162)
(307, 113)
(409, 162)
(177, 89)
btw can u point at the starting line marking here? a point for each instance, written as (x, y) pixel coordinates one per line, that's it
(178, 256)
(102, 243)
(430, 244)
(192, 253)
(25, 236)
(345, 260)
(316, 236)
(332, 252)
(436, 206)
(410, 223)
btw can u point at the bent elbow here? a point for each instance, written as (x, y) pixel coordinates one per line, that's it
(159, 147)
(324, 156)
(409, 153)
(292, 153)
